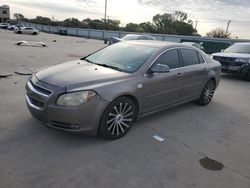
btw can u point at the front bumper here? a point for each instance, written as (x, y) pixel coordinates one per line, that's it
(84, 118)
(228, 65)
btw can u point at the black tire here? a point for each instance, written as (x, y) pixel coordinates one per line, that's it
(19, 32)
(34, 33)
(247, 76)
(207, 93)
(117, 118)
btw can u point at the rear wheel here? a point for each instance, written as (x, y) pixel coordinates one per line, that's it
(19, 32)
(117, 119)
(207, 93)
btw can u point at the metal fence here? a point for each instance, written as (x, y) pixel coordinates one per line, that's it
(211, 45)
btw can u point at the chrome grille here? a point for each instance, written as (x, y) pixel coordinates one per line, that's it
(36, 96)
(38, 90)
(35, 101)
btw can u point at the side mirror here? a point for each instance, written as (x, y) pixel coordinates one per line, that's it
(222, 50)
(158, 68)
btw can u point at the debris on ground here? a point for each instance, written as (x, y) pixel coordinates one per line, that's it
(32, 44)
(158, 138)
(23, 73)
(2, 75)
(53, 40)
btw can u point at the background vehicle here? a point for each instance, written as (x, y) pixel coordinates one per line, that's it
(194, 44)
(108, 90)
(15, 26)
(4, 25)
(235, 60)
(26, 30)
(113, 40)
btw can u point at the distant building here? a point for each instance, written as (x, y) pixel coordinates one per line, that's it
(4, 13)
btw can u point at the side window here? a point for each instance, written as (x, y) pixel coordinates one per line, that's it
(189, 57)
(169, 58)
(201, 59)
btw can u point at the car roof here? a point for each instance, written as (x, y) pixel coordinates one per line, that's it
(156, 43)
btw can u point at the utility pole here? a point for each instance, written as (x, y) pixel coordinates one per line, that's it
(228, 23)
(196, 23)
(105, 15)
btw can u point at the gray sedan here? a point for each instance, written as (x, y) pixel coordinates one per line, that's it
(107, 91)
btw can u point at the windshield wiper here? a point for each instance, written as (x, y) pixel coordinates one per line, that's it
(109, 66)
(103, 65)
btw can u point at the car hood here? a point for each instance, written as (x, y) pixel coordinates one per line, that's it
(234, 55)
(79, 73)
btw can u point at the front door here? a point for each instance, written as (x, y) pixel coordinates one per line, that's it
(163, 89)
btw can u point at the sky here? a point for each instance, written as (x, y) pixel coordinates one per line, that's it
(208, 13)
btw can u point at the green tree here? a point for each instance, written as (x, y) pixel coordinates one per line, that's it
(146, 27)
(42, 20)
(18, 16)
(71, 22)
(112, 24)
(176, 23)
(132, 27)
(96, 24)
(183, 28)
(163, 23)
(180, 16)
(219, 32)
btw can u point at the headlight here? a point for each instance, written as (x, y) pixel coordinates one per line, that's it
(75, 99)
(241, 60)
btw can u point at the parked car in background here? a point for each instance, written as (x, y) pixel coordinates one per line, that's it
(4, 25)
(235, 60)
(127, 37)
(105, 92)
(26, 30)
(15, 26)
(194, 44)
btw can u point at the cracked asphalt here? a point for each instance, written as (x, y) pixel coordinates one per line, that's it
(32, 155)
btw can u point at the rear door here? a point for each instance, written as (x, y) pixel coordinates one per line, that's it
(28, 30)
(194, 73)
(162, 89)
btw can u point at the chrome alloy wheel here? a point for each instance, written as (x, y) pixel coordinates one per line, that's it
(119, 119)
(209, 91)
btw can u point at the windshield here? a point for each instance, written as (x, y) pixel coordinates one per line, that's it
(122, 56)
(131, 37)
(239, 48)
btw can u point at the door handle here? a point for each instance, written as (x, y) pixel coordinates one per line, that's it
(205, 68)
(179, 74)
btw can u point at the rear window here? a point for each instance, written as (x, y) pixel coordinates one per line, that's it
(189, 57)
(201, 59)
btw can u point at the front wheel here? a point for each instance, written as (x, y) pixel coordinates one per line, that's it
(207, 93)
(117, 119)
